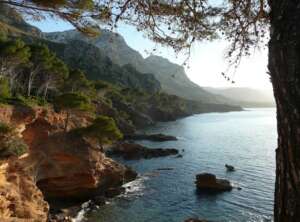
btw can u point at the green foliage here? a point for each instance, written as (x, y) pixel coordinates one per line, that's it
(40, 56)
(78, 83)
(4, 129)
(98, 66)
(70, 101)
(114, 95)
(4, 88)
(99, 84)
(31, 101)
(15, 50)
(104, 129)
(13, 147)
(3, 37)
(10, 143)
(20, 100)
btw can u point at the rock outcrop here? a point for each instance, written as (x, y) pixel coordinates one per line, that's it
(152, 137)
(60, 164)
(137, 151)
(229, 168)
(209, 182)
(71, 167)
(20, 199)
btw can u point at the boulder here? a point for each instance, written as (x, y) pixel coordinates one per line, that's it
(179, 156)
(136, 151)
(165, 168)
(229, 168)
(207, 181)
(71, 168)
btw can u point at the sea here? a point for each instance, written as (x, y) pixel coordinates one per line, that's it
(247, 140)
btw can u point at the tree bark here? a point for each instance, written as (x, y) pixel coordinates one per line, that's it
(67, 121)
(284, 67)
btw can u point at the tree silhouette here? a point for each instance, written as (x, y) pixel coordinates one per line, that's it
(104, 129)
(40, 61)
(77, 81)
(70, 102)
(13, 54)
(53, 77)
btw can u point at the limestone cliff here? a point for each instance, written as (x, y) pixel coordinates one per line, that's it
(20, 199)
(58, 163)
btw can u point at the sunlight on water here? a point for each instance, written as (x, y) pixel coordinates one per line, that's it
(246, 140)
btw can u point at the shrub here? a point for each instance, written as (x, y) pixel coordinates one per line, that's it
(10, 143)
(103, 128)
(4, 88)
(4, 129)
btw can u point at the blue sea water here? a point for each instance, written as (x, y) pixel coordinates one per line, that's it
(245, 139)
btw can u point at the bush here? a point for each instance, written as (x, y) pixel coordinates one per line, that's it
(4, 129)
(103, 128)
(99, 84)
(10, 143)
(13, 147)
(69, 101)
(4, 88)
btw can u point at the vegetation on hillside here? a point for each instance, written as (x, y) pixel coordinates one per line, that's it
(32, 74)
(103, 129)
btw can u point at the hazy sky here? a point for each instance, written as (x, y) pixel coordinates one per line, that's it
(206, 61)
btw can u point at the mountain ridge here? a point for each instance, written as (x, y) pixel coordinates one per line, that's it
(172, 76)
(245, 96)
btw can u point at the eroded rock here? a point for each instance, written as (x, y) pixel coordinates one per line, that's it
(152, 137)
(137, 151)
(20, 199)
(207, 181)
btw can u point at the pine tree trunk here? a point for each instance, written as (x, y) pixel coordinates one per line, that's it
(284, 66)
(29, 85)
(45, 92)
(67, 121)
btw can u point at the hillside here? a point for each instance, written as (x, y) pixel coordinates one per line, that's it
(247, 97)
(174, 80)
(172, 77)
(97, 66)
(13, 24)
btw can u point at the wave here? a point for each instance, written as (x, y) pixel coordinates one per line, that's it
(135, 187)
(81, 214)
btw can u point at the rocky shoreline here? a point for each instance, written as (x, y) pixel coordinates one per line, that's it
(62, 166)
(57, 166)
(133, 151)
(151, 137)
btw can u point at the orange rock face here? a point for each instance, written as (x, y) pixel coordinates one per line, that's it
(60, 164)
(20, 199)
(71, 168)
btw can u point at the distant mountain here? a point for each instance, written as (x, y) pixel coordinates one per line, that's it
(82, 55)
(111, 44)
(246, 97)
(171, 76)
(174, 80)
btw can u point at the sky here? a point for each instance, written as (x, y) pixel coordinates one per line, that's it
(206, 62)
